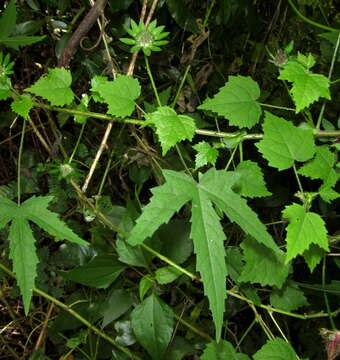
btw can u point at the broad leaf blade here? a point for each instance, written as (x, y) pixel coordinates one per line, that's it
(307, 87)
(261, 265)
(304, 229)
(170, 127)
(251, 181)
(99, 273)
(152, 322)
(283, 143)
(35, 209)
(222, 350)
(289, 298)
(25, 260)
(276, 349)
(208, 237)
(54, 87)
(166, 200)
(8, 210)
(236, 101)
(22, 106)
(119, 94)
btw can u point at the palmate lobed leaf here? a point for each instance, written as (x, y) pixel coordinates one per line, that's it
(236, 101)
(22, 249)
(120, 94)
(206, 231)
(54, 87)
(304, 229)
(307, 87)
(283, 143)
(170, 127)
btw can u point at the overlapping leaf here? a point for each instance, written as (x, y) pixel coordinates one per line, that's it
(236, 101)
(22, 249)
(283, 143)
(289, 298)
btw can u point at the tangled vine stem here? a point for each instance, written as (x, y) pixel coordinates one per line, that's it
(220, 134)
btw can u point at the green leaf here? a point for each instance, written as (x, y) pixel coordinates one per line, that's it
(145, 284)
(115, 305)
(54, 87)
(206, 154)
(304, 229)
(219, 185)
(206, 230)
(25, 260)
(251, 181)
(321, 167)
(176, 242)
(276, 349)
(128, 254)
(307, 61)
(236, 101)
(183, 15)
(328, 194)
(5, 88)
(22, 249)
(23, 106)
(262, 265)
(234, 263)
(8, 19)
(170, 127)
(289, 298)
(167, 274)
(99, 273)
(307, 87)
(221, 351)
(313, 255)
(120, 94)
(152, 322)
(16, 41)
(283, 143)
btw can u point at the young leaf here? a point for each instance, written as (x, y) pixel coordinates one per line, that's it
(23, 106)
(236, 101)
(262, 265)
(289, 298)
(54, 87)
(206, 154)
(276, 349)
(251, 181)
(22, 250)
(222, 351)
(307, 87)
(166, 274)
(170, 127)
(5, 88)
(152, 322)
(321, 167)
(328, 194)
(283, 143)
(304, 229)
(99, 273)
(119, 94)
